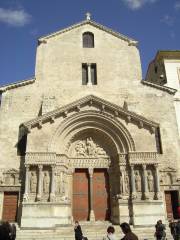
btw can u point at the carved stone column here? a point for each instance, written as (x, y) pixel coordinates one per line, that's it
(52, 194)
(133, 189)
(157, 193)
(39, 193)
(145, 186)
(26, 192)
(92, 216)
(89, 74)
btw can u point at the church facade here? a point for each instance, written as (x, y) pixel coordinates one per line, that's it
(86, 139)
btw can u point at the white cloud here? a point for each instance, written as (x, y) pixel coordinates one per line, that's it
(168, 20)
(137, 4)
(16, 18)
(177, 6)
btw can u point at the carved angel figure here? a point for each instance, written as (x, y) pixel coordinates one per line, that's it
(80, 149)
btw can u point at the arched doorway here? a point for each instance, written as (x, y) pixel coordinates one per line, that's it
(93, 144)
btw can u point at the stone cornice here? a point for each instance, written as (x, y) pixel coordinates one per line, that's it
(17, 84)
(136, 158)
(131, 41)
(104, 106)
(160, 87)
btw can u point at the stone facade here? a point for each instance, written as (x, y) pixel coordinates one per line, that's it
(52, 125)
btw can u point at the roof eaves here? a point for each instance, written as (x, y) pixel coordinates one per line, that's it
(160, 87)
(17, 84)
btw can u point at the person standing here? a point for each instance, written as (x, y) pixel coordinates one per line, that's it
(13, 231)
(129, 235)
(160, 230)
(110, 233)
(178, 230)
(172, 226)
(78, 231)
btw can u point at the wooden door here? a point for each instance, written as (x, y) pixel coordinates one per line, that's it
(101, 204)
(10, 206)
(168, 204)
(80, 195)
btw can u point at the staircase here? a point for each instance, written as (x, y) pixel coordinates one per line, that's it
(93, 231)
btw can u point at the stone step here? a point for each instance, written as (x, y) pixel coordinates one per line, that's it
(91, 231)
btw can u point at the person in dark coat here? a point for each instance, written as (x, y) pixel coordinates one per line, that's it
(5, 232)
(13, 232)
(172, 226)
(160, 230)
(178, 230)
(129, 235)
(78, 231)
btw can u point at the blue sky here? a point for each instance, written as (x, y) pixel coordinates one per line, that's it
(154, 23)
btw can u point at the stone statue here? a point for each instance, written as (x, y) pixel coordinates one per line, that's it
(150, 181)
(12, 179)
(121, 183)
(46, 181)
(33, 182)
(126, 183)
(137, 182)
(91, 147)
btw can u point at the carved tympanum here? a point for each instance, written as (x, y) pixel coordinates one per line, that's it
(88, 148)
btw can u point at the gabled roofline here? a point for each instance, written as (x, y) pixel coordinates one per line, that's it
(76, 105)
(160, 87)
(95, 24)
(17, 84)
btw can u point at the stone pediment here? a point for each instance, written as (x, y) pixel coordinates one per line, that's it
(96, 104)
(130, 41)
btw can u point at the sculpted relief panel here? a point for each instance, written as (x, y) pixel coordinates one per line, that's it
(88, 148)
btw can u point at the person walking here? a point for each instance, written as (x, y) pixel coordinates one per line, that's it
(129, 235)
(110, 233)
(178, 230)
(78, 231)
(160, 230)
(172, 226)
(13, 231)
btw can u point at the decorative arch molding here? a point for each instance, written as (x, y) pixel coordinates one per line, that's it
(113, 129)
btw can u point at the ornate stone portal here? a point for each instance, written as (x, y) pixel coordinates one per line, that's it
(91, 140)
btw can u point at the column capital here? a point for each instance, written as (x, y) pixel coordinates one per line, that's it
(156, 165)
(40, 166)
(132, 166)
(91, 170)
(27, 166)
(144, 166)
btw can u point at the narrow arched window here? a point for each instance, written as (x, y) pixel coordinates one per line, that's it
(88, 40)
